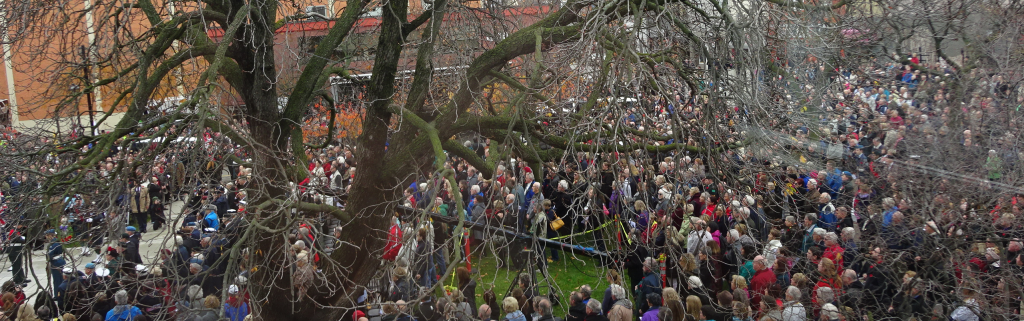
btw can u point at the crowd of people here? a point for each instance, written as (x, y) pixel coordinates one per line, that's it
(841, 226)
(833, 229)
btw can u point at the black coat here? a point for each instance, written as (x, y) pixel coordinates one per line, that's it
(577, 312)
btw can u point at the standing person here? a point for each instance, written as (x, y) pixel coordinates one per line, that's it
(123, 311)
(467, 285)
(15, 245)
(793, 310)
(654, 302)
(613, 278)
(156, 212)
(622, 309)
(651, 283)
(594, 311)
(512, 311)
(55, 259)
(154, 188)
(762, 280)
(138, 205)
(235, 309)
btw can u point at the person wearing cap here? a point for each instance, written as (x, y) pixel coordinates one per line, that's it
(68, 275)
(91, 279)
(55, 258)
(113, 261)
(15, 246)
(235, 308)
(131, 250)
(191, 235)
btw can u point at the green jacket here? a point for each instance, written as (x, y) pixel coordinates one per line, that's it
(994, 166)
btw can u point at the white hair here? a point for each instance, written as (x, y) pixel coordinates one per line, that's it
(792, 293)
(849, 232)
(820, 231)
(850, 274)
(501, 167)
(831, 237)
(536, 184)
(734, 234)
(121, 297)
(888, 202)
(618, 292)
(749, 200)
(563, 184)
(830, 311)
(194, 292)
(826, 294)
(474, 189)
(694, 282)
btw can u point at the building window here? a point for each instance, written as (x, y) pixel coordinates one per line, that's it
(308, 44)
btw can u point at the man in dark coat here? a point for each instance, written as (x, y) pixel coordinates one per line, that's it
(15, 245)
(577, 309)
(651, 283)
(594, 311)
(131, 250)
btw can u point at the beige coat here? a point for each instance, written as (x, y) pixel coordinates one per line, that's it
(620, 312)
(138, 199)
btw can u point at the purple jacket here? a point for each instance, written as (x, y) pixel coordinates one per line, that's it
(651, 314)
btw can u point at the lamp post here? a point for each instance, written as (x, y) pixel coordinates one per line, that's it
(88, 93)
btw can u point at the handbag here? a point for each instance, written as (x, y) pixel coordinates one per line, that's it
(557, 223)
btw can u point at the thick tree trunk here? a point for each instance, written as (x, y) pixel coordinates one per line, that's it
(371, 203)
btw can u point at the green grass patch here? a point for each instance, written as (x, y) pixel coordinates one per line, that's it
(566, 276)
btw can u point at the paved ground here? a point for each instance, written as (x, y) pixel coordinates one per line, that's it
(152, 242)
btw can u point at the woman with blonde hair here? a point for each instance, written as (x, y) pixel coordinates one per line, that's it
(673, 302)
(511, 307)
(693, 308)
(738, 284)
(613, 277)
(687, 265)
(801, 281)
(829, 277)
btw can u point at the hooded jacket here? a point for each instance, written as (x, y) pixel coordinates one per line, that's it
(123, 313)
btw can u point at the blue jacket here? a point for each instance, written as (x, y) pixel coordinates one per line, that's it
(55, 254)
(515, 316)
(236, 314)
(887, 216)
(123, 313)
(211, 220)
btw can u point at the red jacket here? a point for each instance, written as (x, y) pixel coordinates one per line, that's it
(760, 283)
(394, 243)
(835, 253)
